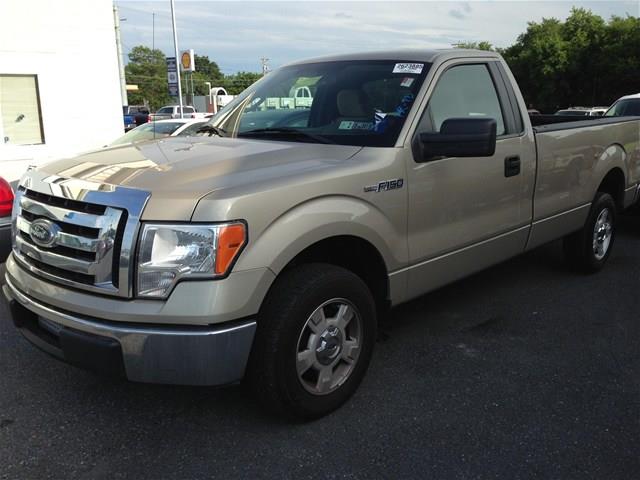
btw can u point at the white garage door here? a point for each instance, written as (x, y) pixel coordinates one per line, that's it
(20, 119)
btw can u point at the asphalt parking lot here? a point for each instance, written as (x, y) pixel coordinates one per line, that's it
(526, 370)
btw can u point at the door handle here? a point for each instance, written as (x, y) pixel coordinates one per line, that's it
(512, 166)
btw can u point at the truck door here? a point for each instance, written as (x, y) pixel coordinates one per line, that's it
(468, 213)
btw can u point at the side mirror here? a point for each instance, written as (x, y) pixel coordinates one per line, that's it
(460, 137)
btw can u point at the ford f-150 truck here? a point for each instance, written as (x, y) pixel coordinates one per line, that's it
(269, 253)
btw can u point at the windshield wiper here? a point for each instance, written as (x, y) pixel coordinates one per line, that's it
(285, 131)
(211, 130)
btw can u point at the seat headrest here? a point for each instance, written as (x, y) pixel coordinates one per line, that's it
(351, 103)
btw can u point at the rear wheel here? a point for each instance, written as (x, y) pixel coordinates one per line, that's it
(316, 332)
(589, 248)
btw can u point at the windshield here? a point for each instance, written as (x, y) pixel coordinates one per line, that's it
(148, 131)
(624, 108)
(362, 103)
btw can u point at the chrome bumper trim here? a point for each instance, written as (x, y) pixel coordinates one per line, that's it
(170, 355)
(64, 262)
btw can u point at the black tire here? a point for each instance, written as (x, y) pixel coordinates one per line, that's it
(579, 246)
(272, 371)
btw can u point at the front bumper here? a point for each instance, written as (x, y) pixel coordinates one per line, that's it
(201, 303)
(186, 355)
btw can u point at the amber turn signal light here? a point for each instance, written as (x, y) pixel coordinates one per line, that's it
(231, 239)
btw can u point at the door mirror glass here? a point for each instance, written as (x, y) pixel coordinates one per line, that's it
(460, 137)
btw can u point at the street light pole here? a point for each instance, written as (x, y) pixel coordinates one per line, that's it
(175, 47)
(123, 81)
(208, 84)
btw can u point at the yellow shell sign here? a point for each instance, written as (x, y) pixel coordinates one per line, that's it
(186, 61)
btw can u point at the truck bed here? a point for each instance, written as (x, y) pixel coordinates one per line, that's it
(573, 157)
(565, 122)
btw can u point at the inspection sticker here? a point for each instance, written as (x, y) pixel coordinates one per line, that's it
(408, 68)
(406, 82)
(349, 125)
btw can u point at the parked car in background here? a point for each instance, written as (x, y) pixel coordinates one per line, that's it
(597, 111)
(173, 111)
(179, 127)
(6, 204)
(627, 106)
(582, 111)
(202, 115)
(303, 97)
(130, 112)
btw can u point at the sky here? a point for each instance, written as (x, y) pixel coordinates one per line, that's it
(237, 34)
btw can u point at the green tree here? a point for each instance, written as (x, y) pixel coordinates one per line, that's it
(147, 68)
(237, 82)
(484, 45)
(206, 71)
(538, 60)
(583, 61)
(583, 33)
(208, 68)
(620, 59)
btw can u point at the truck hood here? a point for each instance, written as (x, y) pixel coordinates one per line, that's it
(180, 171)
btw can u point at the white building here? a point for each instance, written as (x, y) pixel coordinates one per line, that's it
(59, 82)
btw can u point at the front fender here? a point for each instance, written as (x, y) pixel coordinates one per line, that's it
(322, 218)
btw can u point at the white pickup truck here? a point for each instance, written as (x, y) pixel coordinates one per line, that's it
(173, 111)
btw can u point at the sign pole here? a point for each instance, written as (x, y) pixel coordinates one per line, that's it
(175, 46)
(193, 92)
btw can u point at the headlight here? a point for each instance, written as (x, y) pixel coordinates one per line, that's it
(168, 253)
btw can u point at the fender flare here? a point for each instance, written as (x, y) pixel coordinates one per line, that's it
(321, 218)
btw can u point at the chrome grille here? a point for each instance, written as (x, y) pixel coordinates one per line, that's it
(89, 228)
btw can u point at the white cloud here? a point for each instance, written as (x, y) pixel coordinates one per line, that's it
(236, 34)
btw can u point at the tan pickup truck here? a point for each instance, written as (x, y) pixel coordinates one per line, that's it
(269, 247)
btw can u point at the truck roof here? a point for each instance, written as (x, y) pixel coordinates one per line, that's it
(408, 55)
(627, 97)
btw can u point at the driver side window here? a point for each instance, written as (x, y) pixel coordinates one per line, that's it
(463, 91)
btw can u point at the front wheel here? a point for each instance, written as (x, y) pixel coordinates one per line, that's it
(589, 248)
(315, 336)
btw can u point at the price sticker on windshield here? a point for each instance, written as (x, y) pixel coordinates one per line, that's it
(415, 68)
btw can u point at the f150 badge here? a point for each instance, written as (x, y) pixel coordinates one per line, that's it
(385, 185)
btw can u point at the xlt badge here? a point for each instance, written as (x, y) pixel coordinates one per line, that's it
(385, 185)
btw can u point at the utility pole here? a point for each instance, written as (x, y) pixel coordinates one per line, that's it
(123, 81)
(175, 47)
(153, 30)
(265, 65)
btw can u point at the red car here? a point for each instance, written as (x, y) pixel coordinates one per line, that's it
(6, 204)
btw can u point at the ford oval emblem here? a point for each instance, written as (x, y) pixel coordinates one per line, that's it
(43, 232)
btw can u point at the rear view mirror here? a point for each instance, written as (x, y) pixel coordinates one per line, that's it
(460, 137)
